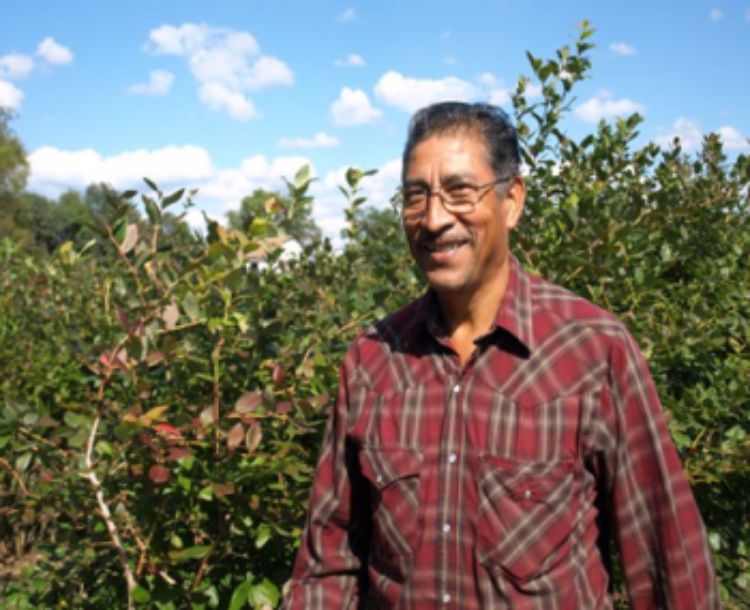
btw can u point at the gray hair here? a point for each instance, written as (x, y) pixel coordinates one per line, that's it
(488, 121)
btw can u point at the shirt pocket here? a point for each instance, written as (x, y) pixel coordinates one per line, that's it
(396, 517)
(526, 515)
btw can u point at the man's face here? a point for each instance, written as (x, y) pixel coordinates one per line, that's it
(460, 253)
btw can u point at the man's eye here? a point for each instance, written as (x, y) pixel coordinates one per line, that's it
(414, 196)
(459, 190)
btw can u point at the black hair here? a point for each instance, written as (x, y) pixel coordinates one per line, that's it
(488, 121)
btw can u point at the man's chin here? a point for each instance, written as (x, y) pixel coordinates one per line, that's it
(443, 282)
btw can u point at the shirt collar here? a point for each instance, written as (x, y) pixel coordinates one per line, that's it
(513, 317)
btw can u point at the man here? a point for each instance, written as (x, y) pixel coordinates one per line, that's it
(490, 438)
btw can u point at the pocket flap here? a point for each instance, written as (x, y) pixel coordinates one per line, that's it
(526, 481)
(383, 465)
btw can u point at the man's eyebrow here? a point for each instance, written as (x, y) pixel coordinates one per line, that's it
(449, 179)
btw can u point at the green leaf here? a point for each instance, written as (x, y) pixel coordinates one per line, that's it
(240, 597)
(151, 184)
(191, 307)
(152, 210)
(262, 536)
(302, 177)
(193, 552)
(264, 594)
(140, 595)
(173, 198)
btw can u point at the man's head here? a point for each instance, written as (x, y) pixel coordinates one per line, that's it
(462, 194)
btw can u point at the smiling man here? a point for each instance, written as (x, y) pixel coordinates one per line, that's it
(492, 437)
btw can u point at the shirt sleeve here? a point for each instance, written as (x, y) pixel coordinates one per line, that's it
(328, 568)
(661, 537)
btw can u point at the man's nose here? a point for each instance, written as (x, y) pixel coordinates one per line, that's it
(436, 217)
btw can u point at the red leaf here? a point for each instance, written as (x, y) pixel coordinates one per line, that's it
(166, 429)
(155, 358)
(122, 318)
(223, 489)
(253, 437)
(158, 474)
(236, 434)
(277, 375)
(248, 402)
(283, 407)
(177, 453)
(320, 401)
(207, 416)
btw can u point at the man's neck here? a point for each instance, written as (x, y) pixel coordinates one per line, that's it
(470, 314)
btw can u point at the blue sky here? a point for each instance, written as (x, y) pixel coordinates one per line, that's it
(230, 96)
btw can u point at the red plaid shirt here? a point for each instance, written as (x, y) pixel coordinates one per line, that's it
(496, 484)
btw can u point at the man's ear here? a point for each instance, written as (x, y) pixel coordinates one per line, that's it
(515, 197)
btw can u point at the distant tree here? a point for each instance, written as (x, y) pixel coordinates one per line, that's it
(294, 217)
(13, 173)
(14, 168)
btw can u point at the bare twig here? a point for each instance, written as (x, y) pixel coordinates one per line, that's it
(104, 511)
(16, 476)
(216, 360)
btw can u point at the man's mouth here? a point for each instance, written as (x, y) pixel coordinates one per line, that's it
(444, 247)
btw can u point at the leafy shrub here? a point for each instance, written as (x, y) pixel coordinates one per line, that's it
(161, 400)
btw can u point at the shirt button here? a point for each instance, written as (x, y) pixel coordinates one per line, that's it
(452, 458)
(379, 479)
(446, 527)
(446, 599)
(456, 389)
(527, 494)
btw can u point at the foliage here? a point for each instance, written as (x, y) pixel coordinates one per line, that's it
(154, 376)
(290, 215)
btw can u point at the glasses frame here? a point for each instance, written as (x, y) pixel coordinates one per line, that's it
(449, 207)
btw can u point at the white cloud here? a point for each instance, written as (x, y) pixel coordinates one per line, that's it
(159, 83)
(732, 138)
(622, 48)
(604, 106)
(10, 95)
(53, 52)
(410, 94)
(319, 140)
(218, 96)
(225, 63)
(15, 65)
(533, 90)
(689, 132)
(353, 60)
(353, 107)
(54, 170)
(716, 14)
(691, 135)
(348, 15)
(497, 93)
(229, 186)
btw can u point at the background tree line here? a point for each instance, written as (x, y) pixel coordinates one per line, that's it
(161, 399)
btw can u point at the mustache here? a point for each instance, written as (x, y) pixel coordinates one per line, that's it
(439, 239)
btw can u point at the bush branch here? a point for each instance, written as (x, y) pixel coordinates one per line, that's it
(114, 536)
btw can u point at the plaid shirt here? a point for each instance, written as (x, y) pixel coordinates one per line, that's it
(498, 483)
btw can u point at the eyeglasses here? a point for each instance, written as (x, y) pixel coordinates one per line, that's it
(457, 198)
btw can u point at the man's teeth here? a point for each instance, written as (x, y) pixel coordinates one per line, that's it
(444, 247)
